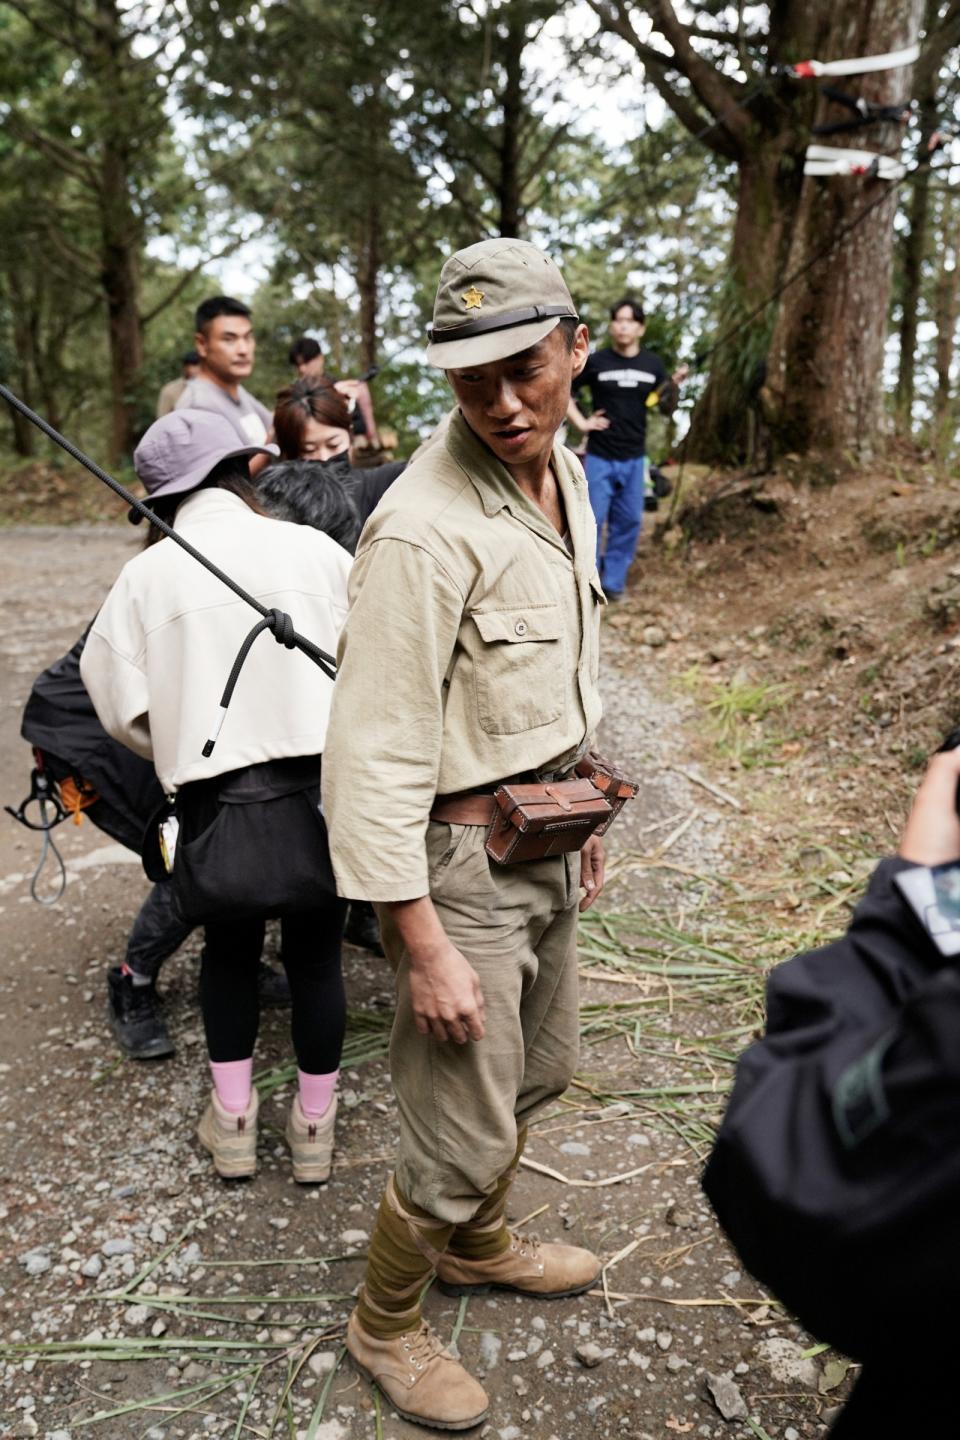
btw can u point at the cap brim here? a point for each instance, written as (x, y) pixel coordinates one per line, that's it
(495, 345)
(193, 478)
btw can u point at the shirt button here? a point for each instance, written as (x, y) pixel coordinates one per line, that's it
(521, 627)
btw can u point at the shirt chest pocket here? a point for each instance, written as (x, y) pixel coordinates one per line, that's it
(519, 668)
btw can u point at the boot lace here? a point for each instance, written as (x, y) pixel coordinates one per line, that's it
(526, 1246)
(422, 1346)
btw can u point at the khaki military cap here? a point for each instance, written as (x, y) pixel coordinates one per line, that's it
(495, 298)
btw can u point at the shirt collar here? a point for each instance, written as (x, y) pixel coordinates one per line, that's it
(210, 502)
(497, 488)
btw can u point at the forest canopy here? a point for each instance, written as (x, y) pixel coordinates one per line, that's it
(656, 149)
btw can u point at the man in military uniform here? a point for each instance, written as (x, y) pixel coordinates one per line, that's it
(469, 658)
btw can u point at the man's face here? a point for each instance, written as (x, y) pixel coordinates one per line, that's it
(190, 372)
(624, 329)
(516, 406)
(314, 367)
(227, 348)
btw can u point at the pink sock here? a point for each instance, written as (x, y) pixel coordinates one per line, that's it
(316, 1092)
(233, 1082)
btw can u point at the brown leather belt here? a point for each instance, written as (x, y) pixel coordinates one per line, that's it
(464, 809)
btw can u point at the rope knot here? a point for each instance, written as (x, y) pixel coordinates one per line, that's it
(283, 631)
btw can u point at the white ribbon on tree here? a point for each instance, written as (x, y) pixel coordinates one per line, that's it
(833, 160)
(805, 69)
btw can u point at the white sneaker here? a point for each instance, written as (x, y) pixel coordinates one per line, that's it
(311, 1143)
(230, 1138)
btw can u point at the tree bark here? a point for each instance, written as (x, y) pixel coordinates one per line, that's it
(826, 354)
(913, 248)
(368, 283)
(509, 193)
(945, 311)
(24, 434)
(121, 231)
(768, 191)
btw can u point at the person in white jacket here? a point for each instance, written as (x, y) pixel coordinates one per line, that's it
(155, 664)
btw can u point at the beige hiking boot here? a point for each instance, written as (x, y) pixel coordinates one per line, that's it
(419, 1377)
(311, 1143)
(527, 1266)
(231, 1139)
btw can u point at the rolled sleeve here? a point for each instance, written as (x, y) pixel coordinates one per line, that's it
(382, 754)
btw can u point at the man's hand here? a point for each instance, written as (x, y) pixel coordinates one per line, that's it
(444, 987)
(592, 867)
(349, 389)
(446, 996)
(596, 421)
(932, 834)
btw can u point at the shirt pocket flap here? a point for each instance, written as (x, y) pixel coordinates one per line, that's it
(520, 623)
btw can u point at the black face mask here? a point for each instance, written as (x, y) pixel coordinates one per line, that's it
(336, 468)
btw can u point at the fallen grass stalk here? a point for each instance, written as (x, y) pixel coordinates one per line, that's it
(591, 1184)
(207, 1388)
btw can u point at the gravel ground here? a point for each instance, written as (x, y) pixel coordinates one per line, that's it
(106, 1193)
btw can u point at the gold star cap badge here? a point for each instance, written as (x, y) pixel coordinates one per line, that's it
(495, 298)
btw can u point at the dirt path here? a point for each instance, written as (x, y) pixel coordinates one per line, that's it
(106, 1190)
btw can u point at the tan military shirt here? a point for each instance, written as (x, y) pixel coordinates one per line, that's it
(470, 654)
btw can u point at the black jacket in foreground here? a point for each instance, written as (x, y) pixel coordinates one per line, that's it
(836, 1171)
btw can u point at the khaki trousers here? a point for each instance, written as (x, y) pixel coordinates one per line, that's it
(462, 1105)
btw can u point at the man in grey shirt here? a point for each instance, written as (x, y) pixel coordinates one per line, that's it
(226, 346)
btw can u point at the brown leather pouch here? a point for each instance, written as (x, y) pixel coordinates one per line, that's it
(534, 821)
(610, 781)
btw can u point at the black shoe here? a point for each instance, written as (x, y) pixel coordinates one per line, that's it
(362, 927)
(135, 1019)
(273, 984)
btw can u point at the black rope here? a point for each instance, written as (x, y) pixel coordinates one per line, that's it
(281, 624)
(283, 633)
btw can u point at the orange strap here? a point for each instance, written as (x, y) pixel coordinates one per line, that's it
(76, 797)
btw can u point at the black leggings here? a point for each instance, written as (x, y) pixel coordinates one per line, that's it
(229, 986)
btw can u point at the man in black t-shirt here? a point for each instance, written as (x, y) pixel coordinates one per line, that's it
(624, 382)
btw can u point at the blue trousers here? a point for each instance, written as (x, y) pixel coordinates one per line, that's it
(616, 495)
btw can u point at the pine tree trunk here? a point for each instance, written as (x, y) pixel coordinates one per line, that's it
(826, 353)
(24, 434)
(945, 309)
(508, 198)
(768, 191)
(913, 247)
(368, 283)
(121, 232)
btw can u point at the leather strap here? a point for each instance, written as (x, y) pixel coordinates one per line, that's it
(464, 809)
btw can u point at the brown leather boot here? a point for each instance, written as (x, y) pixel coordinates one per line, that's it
(527, 1266)
(419, 1377)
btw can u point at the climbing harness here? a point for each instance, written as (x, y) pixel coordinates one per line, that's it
(50, 812)
(833, 160)
(281, 624)
(863, 112)
(813, 69)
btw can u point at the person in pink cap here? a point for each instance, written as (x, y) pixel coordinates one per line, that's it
(155, 664)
